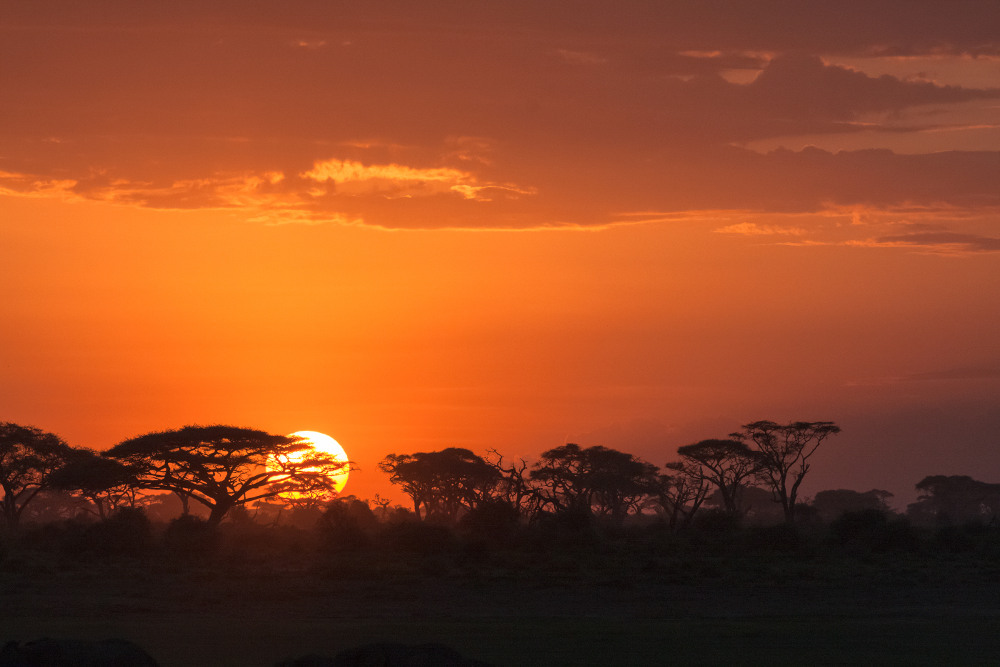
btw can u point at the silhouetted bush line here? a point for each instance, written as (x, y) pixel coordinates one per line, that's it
(351, 543)
(207, 495)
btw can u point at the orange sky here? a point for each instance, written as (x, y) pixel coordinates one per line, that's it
(421, 225)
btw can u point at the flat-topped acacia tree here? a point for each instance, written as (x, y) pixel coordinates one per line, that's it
(783, 452)
(571, 478)
(223, 467)
(108, 484)
(28, 457)
(722, 463)
(445, 483)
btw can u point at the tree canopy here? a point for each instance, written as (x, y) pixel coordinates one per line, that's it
(956, 499)
(223, 467)
(28, 456)
(108, 484)
(784, 453)
(723, 463)
(833, 503)
(593, 479)
(443, 483)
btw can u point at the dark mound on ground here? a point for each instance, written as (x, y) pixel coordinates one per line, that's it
(389, 654)
(48, 652)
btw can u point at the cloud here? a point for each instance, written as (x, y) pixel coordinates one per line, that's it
(943, 242)
(581, 58)
(874, 26)
(753, 229)
(804, 87)
(976, 373)
(334, 190)
(966, 373)
(505, 116)
(350, 177)
(354, 178)
(27, 185)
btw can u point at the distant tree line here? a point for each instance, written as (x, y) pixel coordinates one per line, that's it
(571, 480)
(207, 474)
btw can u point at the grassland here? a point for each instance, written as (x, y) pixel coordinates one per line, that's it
(603, 606)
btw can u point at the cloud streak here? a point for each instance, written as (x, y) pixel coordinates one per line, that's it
(944, 242)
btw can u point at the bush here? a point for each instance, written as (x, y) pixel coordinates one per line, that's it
(347, 525)
(967, 538)
(873, 531)
(493, 521)
(189, 535)
(780, 537)
(418, 537)
(127, 532)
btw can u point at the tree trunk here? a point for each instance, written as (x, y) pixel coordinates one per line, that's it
(219, 511)
(185, 507)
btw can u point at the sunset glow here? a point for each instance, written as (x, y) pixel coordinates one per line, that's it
(510, 226)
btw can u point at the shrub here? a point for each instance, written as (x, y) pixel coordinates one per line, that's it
(780, 537)
(127, 532)
(493, 521)
(347, 525)
(418, 537)
(873, 531)
(189, 535)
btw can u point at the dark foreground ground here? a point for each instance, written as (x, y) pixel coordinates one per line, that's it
(557, 609)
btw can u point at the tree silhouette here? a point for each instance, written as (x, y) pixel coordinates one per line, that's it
(223, 467)
(955, 499)
(756, 505)
(680, 493)
(443, 483)
(597, 479)
(514, 486)
(105, 482)
(28, 456)
(784, 453)
(723, 463)
(833, 503)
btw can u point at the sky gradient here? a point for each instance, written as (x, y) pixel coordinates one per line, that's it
(508, 225)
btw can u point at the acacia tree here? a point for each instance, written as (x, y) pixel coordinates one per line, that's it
(443, 483)
(514, 486)
(680, 493)
(223, 467)
(571, 478)
(28, 456)
(723, 463)
(783, 454)
(955, 499)
(108, 484)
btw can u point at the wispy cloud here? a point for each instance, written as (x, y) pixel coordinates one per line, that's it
(328, 192)
(580, 57)
(355, 178)
(753, 229)
(991, 372)
(979, 373)
(935, 242)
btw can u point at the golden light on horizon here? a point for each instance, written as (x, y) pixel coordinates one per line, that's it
(327, 445)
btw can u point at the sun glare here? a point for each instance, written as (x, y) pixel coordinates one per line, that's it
(324, 443)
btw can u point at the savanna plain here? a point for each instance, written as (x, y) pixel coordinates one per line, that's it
(255, 595)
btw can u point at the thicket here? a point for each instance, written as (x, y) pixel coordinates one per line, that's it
(207, 495)
(350, 540)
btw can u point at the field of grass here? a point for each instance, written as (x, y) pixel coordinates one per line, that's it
(555, 609)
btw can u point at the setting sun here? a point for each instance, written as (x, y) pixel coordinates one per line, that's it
(327, 445)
